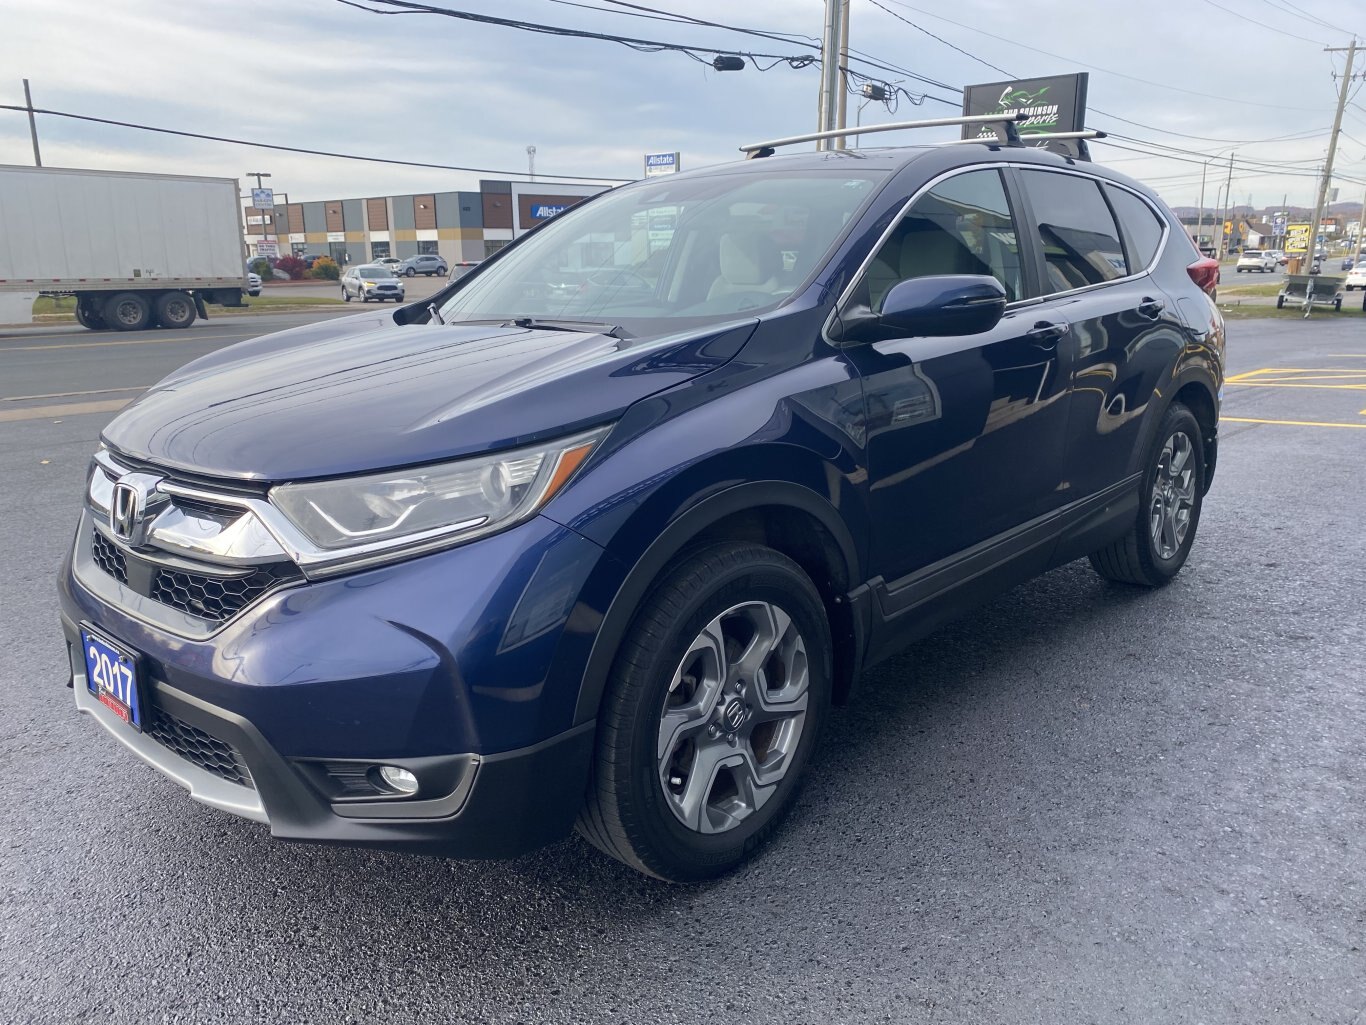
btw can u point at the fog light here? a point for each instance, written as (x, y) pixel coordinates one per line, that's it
(399, 779)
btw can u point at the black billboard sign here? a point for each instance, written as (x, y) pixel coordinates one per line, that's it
(1054, 104)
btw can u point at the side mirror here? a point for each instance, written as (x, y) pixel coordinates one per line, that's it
(944, 305)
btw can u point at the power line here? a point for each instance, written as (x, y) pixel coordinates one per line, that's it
(941, 39)
(301, 149)
(1254, 21)
(1242, 101)
(402, 7)
(1285, 7)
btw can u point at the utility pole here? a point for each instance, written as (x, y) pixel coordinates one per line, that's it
(1226, 237)
(1351, 51)
(831, 82)
(531, 162)
(842, 105)
(1200, 221)
(32, 126)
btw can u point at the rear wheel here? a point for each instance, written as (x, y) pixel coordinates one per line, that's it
(1156, 546)
(712, 710)
(175, 310)
(128, 311)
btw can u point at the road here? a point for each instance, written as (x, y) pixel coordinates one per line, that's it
(414, 288)
(1082, 803)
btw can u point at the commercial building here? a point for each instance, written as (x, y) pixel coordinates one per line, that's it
(456, 225)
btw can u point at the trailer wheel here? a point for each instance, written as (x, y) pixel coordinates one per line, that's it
(1280, 302)
(128, 311)
(175, 310)
(88, 314)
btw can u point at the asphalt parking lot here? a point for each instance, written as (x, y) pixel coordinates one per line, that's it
(1083, 803)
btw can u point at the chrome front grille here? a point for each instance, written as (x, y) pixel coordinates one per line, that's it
(204, 555)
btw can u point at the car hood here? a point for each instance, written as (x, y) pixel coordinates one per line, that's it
(365, 393)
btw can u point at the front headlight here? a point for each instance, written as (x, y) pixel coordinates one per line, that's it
(459, 500)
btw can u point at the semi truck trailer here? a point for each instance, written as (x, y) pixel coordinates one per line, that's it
(136, 250)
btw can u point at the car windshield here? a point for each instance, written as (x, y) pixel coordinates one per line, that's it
(372, 273)
(663, 255)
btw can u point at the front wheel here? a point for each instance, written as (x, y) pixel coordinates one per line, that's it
(1172, 491)
(712, 710)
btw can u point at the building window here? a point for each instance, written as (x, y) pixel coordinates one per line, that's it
(427, 248)
(298, 248)
(379, 250)
(492, 245)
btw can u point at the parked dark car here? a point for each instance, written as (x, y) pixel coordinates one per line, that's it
(461, 577)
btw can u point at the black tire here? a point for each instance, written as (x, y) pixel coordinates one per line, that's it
(1280, 302)
(626, 813)
(127, 311)
(88, 314)
(346, 296)
(410, 273)
(175, 310)
(1337, 304)
(1135, 558)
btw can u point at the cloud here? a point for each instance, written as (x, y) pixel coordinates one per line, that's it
(319, 74)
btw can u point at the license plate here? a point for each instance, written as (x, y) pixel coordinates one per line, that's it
(111, 673)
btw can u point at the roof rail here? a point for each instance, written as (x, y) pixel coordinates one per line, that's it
(1004, 125)
(1045, 140)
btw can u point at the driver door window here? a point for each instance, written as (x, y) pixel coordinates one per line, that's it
(961, 226)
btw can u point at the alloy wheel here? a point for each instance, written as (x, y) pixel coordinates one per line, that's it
(1173, 495)
(733, 717)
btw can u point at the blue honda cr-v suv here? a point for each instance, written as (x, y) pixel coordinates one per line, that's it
(462, 576)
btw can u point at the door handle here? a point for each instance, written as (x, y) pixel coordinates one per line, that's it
(1045, 333)
(1151, 307)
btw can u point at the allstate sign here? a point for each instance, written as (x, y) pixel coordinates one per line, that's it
(662, 163)
(540, 211)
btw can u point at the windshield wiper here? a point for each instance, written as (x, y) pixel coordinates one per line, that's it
(552, 324)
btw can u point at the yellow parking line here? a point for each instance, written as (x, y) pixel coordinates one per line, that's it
(1288, 423)
(197, 336)
(67, 409)
(72, 394)
(1284, 384)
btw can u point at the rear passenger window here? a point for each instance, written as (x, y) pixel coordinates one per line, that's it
(1142, 230)
(1080, 240)
(961, 226)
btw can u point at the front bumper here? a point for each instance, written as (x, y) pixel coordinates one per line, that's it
(496, 806)
(463, 666)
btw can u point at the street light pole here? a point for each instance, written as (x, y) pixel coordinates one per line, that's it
(32, 126)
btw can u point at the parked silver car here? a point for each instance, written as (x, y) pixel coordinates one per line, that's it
(424, 263)
(371, 281)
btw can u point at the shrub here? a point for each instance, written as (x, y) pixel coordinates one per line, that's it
(261, 266)
(325, 269)
(292, 266)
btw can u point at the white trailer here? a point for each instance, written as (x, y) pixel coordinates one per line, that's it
(136, 250)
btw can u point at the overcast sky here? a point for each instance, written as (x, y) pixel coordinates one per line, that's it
(318, 74)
